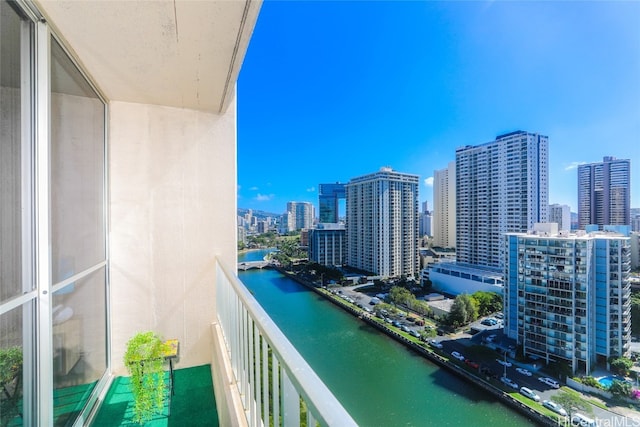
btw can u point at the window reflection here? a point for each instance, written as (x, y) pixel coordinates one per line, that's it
(77, 170)
(79, 343)
(11, 372)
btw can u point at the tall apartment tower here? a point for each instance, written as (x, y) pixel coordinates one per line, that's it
(561, 215)
(444, 207)
(329, 202)
(301, 215)
(604, 195)
(567, 296)
(382, 223)
(501, 187)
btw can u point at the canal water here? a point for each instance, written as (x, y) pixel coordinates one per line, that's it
(378, 381)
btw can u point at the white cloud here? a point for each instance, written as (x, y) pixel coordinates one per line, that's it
(311, 189)
(573, 165)
(264, 197)
(428, 181)
(254, 188)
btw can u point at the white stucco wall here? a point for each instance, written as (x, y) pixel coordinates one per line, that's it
(172, 211)
(457, 285)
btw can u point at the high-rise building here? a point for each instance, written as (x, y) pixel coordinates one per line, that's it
(329, 202)
(328, 244)
(567, 296)
(604, 195)
(561, 215)
(444, 207)
(382, 223)
(501, 187)
(426, 220)
(301, 215)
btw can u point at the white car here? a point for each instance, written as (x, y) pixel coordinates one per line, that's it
(509, 382)
(550, 382)
(457, 355)
(504, 363)
(582, 421)
(434, 343)
(550, 404)
(524, 371)
(529, 393)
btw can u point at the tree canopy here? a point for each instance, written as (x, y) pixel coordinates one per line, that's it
(572, 402)
(463, 311)
(487, 302)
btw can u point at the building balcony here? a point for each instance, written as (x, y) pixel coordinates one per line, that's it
(256, 375)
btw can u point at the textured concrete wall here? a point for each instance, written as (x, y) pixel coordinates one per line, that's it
(173, 210)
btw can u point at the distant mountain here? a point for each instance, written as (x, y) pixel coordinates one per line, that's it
(257, 213)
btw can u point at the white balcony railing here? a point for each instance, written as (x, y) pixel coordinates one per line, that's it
(275, 383)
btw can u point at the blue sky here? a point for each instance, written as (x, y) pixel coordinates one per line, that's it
(332, 90)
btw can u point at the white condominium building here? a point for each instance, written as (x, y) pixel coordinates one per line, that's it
(444, 207)
(501, 186)
(382, 223)
(561, 215)
(567, 296)
(300, 215)
(604, 195)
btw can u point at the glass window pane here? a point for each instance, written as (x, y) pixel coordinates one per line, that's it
(11, 375)
(12, 96)
(77, 170)
(79, 344)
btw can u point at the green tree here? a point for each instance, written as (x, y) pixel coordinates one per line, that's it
(427, 332)
(400, 296)
(458, 315)
(620, 389)
(621, 365)
(422, 308)
(572, 402)
(470, 305)
(487, 302)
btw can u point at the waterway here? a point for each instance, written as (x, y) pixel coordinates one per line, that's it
(378, 381)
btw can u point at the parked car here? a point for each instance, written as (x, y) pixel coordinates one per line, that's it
(509, 382)
(582, 421)
(504, 363)
(550, 404)
(550, 382)
(499, 315)
(457, 355)
(529, 393)
(436, 344)
(489, 322)
(404, 328)
(471, 364)
(523, 371)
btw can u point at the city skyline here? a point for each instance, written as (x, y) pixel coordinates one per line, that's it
(333, 90)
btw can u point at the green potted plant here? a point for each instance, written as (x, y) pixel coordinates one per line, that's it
(144, 360)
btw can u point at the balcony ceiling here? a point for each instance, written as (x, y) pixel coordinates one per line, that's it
(178, 53)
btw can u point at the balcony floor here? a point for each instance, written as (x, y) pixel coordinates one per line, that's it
(192, 405)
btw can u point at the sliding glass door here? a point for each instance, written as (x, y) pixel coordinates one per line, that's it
(54, 353)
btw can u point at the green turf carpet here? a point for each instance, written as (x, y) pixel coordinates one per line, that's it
(193, 403)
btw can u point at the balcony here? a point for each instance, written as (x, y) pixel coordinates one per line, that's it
(258, 376)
